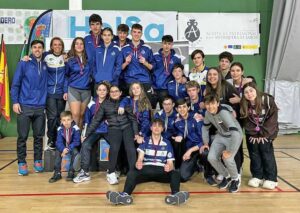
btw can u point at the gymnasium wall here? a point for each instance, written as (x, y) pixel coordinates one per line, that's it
(254, 65)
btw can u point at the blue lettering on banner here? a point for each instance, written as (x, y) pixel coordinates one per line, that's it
(7, 20)
(74, 28)
(148, 29)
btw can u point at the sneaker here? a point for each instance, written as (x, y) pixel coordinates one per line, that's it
(234, 186)
(51, 145)
(22, 169)
(38, 166)
(112, 178)
(211, 181)
(268, 184)
(219, 178)
(56, 176)
(224, 183)
(118, 174)
(119, 198)
(178, 198)
(70, 176)
(240, 174)
(255, 182)
(82, 176)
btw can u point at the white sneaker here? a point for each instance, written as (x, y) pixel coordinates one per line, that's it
(255, 182)
(240, 174)
(112, 178)
(219, 178)
(82, 176)
(268, 184)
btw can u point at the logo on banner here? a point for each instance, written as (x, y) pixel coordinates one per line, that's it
(28, 23)
(192, 32)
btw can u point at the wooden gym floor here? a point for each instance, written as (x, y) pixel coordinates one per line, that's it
(33, 193)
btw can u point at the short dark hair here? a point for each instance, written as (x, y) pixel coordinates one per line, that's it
(34, 42)
(107, 29)
(227, 55)
(95, 18)
(157, 121)
(181, 101)
(137, 26)
(211, 97)
(240, 65)
(195, 52)
(168, 97)
(167, 38)
(65, 114)
(114, 86)
(178, 66)
(123, 28)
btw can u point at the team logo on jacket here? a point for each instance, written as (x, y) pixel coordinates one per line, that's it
(61, 62)
(170, 155)
(171, 62)
(113, 53)
(143, 52)
(44, 68)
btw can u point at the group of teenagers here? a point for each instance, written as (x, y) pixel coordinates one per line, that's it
(114, 87)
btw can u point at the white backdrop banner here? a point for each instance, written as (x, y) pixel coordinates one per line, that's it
(15, 24)
(214, 33)
(69, 24)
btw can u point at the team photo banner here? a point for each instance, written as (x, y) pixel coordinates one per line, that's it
(213, 33)
(69, 24)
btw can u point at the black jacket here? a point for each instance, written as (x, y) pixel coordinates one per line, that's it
(109, 110)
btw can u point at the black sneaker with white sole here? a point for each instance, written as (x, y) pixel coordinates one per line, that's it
(177, 198)
(211, 181)
(224, 183)
(119, 198)
(234, 186)
(51, 145)
(56, 176)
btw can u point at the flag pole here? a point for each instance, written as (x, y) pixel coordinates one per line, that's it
(0, 63)
(1, 44)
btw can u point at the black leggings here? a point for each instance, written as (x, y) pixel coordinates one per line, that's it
(115, 138)
(152, 173)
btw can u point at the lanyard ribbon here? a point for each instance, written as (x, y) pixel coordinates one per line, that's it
(167, 64)
(81, 66)
(68, 134)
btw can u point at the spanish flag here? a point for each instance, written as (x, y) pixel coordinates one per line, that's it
(4, 83)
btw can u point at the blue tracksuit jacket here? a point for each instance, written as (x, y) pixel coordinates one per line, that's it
(29, 85)
(162, 70)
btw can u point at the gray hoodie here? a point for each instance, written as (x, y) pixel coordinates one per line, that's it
(224, 122)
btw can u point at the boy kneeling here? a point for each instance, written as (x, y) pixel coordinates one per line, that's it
(68, 140)
(226, 142)
(155, 163)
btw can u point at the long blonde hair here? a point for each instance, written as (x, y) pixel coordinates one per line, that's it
(143, 103)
